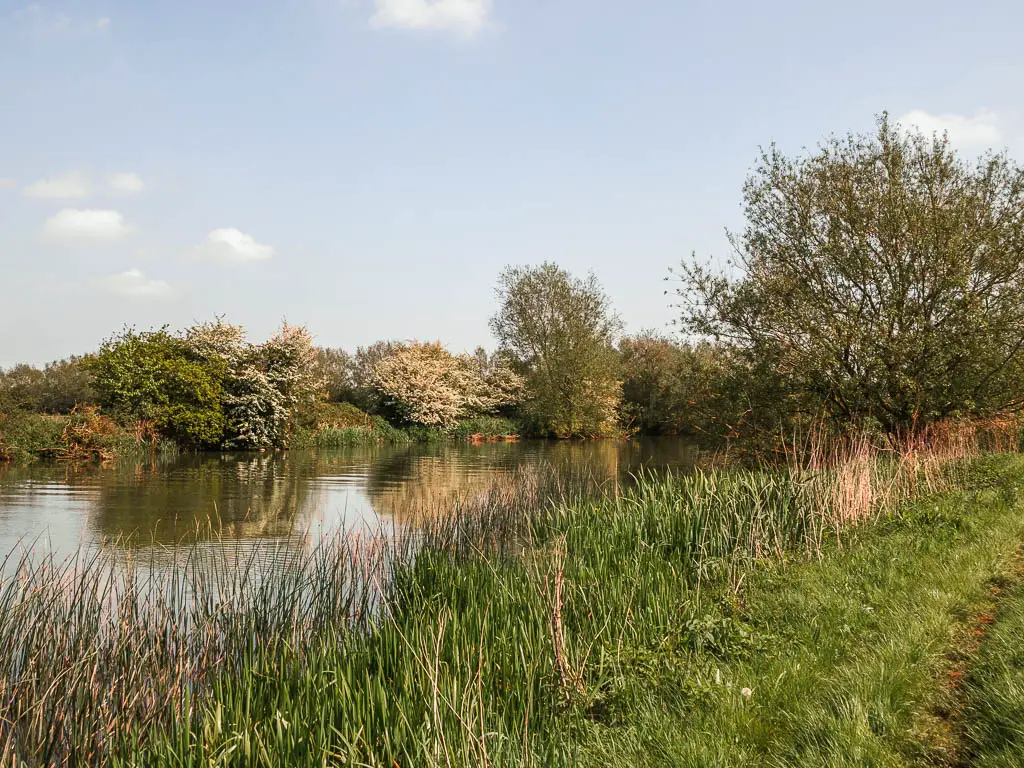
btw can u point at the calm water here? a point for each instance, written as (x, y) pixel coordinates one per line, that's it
(238, 499)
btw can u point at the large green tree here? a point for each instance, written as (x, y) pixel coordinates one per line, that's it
(882, 276)
(561, 330)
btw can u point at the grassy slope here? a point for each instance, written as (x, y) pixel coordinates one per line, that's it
(843, 655)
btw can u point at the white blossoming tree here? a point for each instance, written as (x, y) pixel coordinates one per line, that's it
(426, 384)
(266, 383)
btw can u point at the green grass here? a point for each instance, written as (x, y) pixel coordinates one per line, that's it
(380, 432)
(994, 712)
(843, 656)
(540, 624)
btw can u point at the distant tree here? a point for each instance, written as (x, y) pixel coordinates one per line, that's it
(57, 388)
(364, 391)
(561, 331)
(290, 361)
(156, 377)
(882, 277)
(21, 388)
(424, 383)
(706, 391)
(335, 368)
(66, 384)
(668, 387)
(503, 388)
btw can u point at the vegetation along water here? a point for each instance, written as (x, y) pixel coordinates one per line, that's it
(225, 552)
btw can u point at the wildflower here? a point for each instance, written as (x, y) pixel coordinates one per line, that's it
(746, 693)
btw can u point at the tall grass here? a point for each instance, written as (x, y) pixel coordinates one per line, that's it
(484, 635)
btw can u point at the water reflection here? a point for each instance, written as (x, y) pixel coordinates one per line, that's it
(244, 499)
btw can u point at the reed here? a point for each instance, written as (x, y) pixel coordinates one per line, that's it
(485, 634)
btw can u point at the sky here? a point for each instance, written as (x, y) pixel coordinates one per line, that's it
(368, 167)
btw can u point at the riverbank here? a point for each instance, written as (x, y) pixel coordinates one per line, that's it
(723, 618)
(86, 435)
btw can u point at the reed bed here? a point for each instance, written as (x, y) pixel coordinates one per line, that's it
(483, 635)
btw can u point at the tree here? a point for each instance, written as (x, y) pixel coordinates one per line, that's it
(670, 388)
(364, 392)
(57, 388)
(156, 377)
(561, 330)
(335, 368)
(426, 384)
(882, 276)
(264, 384)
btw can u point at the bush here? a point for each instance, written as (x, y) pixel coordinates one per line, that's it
(487, 426)
(84, 434)
(428, 386)
(155, 377)
(24, 436)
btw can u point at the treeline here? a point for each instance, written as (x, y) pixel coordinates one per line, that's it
(878, 283)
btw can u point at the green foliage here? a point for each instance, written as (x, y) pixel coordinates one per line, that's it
(57, 388)
(324, 415)
(709, 392)
(334, 367)
(487, 426)
(881, 276)
(341, 437)
(25, 436)
(155, 377)
(560, 331)
(82, 435)
(670, 388)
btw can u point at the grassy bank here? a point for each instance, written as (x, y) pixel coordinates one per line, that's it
(722, 618)
(87, 435)
(83, 435)
(344, 425)
(993, 717)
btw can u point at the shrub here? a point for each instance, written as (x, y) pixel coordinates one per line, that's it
(487, 426)
(426, 385)
(264, 385)
(156, 377)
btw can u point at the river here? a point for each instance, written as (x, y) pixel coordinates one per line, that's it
(233, 499)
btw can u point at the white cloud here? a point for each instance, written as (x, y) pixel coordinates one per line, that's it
(230, 244)
(125, 182)
(983, 130)
(6, 182)
(72, 224)
(134, 283)
(40, 20)
(68, 186)
(465, 17)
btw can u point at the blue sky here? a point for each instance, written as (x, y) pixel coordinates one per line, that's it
(367, 167)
